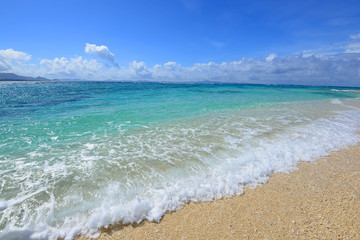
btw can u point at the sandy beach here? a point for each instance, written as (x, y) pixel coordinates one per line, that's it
(183, 119)
(318, 201)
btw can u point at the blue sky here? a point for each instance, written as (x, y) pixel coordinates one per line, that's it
(134, 40)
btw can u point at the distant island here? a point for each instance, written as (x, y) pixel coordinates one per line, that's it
(15, 77)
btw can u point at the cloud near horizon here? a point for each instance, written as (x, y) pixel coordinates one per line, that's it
(70, 68)
(102, 52)
(9, 58)
(342, 69)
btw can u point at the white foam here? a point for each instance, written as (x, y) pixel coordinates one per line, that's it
(3, 204)
(90, 146)
(336, 101)
(248, 170)
(162, 169)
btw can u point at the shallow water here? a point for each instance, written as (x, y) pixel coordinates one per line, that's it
(75, 157)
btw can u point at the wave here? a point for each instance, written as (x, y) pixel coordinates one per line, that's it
(129, 177)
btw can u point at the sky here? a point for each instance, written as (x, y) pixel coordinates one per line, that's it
(272, 42)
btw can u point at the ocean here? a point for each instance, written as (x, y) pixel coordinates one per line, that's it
(79, 156)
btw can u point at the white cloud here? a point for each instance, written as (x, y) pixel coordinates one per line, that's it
(341, 69)
(139, 70)
(167, 71)
(309, 69)
(270, 57)
(171, 65)
(10, 57)
(102, 52)
(70, 68)
(352, 47)
(320, 69)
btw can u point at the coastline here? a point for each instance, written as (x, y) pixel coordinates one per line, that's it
(320, 200)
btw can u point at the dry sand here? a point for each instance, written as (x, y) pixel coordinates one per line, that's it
(319, 201)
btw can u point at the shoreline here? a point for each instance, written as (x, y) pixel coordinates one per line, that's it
(319, 200)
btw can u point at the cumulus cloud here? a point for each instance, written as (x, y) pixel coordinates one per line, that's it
(102, 52)
(139, 70)
(341, 69)
(301, 69)
(317, 69)
(10, 57)
(270, 57)
(169, 70)
(71, 68)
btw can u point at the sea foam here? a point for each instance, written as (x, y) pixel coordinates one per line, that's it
(248, 166)
(94, 175)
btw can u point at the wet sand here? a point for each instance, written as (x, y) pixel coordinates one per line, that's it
(318, 201)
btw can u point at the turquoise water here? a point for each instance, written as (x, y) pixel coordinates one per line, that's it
(78, 156)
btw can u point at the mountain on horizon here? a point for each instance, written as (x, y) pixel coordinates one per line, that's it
(15, 77)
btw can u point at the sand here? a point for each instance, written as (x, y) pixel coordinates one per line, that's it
(318, 201)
